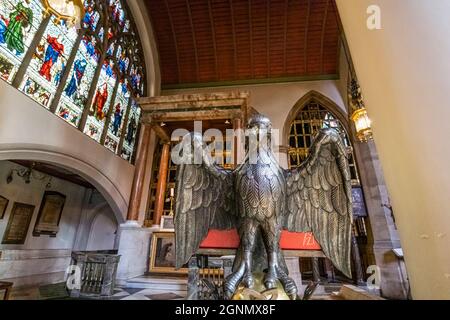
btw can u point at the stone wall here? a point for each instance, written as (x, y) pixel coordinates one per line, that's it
(44, 259)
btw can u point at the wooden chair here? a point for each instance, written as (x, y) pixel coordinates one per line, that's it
(7, 287)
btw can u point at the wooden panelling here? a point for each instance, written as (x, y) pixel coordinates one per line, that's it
(227, 41)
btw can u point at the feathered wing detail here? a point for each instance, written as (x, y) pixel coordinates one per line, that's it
(319, 198)
(204, 200)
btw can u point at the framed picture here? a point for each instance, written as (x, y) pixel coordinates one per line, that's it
(162, 256)
(18, 223)
(167, 223)
(47, 221)
(3, 205)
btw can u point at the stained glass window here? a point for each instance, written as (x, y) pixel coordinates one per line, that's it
(308, 122)
(131, 129)
(102, 101)
(116, 123)
(75, 93)
(49, 61)
(89, 77)
(19, 21)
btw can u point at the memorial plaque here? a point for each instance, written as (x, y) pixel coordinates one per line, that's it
(49, 215)
(18, 224)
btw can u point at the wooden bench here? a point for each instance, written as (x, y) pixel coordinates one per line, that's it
(6, 286)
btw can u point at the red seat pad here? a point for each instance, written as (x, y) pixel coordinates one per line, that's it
(217, 239)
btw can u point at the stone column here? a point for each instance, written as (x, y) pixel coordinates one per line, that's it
(133, 241)
(139, 175)
(161, 184)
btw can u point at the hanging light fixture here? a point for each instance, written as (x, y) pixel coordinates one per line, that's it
(359, 115)
(71, 11)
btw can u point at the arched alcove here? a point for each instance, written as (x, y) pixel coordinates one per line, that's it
(103, 231)
(91, 174)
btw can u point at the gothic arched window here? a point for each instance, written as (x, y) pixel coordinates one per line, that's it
(88, 77)
(309, 120)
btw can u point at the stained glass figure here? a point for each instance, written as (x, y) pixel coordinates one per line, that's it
(75, 94)
(19, 21)
(91, 17)
(117, 120)
(37, 91)
(102, 100)
(131, 129)
(51, 55)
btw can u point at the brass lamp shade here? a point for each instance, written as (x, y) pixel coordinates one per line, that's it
(362, 124)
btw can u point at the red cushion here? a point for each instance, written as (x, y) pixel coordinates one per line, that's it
(217, 239)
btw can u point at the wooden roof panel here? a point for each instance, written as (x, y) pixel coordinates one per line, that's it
(220, 41)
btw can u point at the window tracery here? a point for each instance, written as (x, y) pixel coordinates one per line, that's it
(89, 77)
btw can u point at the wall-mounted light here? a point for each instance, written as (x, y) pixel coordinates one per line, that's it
(71, 11)
(363, 124)
(27, 174)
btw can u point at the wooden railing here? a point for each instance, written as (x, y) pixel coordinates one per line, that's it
(206, 277)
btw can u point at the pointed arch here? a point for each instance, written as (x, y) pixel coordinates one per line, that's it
(323, 100)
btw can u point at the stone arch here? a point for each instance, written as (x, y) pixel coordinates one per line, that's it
(102, 183)
(326, 102)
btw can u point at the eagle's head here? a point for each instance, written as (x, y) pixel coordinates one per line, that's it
(259, 131)
(259, 122)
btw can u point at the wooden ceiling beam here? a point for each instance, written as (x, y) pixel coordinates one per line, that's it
(188, 6)
(308, 13)
(324, 24)
(234, 39)
(213, 33)
(286, 6)
(174, 40)
(268, 37)
(251, 37)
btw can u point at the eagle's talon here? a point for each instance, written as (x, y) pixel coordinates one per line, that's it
(248, 281)
(289, 286)
(270, 281)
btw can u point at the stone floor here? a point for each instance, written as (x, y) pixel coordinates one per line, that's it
(57, 292)
(144, 288)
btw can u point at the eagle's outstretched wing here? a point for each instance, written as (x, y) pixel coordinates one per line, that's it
(319, 198)
(204, 200)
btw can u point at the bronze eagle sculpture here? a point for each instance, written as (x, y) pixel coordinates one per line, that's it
(260, 198)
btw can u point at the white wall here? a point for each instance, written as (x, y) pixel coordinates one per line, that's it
(18, 191)
(28, 131)
(404, 72)
(103, 233)
(44, 259)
